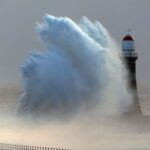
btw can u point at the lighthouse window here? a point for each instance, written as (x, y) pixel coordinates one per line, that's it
(128, 45)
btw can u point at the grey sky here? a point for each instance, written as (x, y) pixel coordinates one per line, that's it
(18, 20)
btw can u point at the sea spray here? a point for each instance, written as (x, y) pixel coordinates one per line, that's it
(80, 72)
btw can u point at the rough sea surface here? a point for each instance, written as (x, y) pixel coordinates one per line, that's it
(110, 134)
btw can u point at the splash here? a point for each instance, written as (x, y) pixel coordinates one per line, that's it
(80, 72)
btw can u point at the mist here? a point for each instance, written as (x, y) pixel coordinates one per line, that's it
(74, 93)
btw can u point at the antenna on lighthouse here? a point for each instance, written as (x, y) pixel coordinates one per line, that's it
(129, 31)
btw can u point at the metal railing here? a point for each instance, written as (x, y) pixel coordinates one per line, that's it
(129, 54)
(4, 146)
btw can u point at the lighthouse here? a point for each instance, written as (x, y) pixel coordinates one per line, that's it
(129, 56)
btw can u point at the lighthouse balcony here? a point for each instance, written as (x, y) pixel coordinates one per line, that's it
(129, 54)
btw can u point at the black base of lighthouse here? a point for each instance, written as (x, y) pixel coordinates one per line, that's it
(130, 63)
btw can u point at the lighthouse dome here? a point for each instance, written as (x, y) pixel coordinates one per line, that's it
(128, 37)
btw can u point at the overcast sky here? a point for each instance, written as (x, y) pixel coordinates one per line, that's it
(18, 20)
